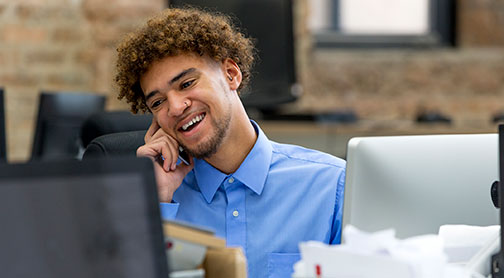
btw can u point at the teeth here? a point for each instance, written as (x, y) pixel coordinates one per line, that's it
(193, 121)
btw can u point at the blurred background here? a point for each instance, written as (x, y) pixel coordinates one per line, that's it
(344, 68)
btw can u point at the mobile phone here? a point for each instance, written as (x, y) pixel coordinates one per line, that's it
(183, 156)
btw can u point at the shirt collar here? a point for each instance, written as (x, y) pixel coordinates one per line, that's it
(252, 172)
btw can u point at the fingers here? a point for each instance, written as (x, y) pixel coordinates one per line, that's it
(154, 132)
(163, 149)
(169, 152)
(160, 147)
(153, 128)
(182, 169)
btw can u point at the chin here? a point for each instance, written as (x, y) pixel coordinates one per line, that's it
(205, 149)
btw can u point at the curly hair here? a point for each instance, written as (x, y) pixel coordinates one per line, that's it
(173, 32)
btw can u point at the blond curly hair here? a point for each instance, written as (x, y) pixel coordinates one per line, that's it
(173, 32)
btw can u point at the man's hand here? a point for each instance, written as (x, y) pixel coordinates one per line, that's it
(162, 149)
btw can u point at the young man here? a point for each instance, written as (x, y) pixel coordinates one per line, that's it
(187, 67)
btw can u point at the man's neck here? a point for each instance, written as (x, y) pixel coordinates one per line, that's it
(237, 145)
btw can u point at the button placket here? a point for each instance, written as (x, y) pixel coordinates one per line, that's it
(235, 213)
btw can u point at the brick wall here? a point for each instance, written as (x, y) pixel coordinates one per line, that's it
(465, 83)
(58, 45)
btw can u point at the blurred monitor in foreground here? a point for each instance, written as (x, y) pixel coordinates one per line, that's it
(97, 218)
(415, 184)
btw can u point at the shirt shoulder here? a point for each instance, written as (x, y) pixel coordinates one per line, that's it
(305, 155)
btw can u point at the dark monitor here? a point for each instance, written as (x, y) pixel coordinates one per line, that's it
(3, 141)
(59, 120)
(498, 259)
(270, 23)
(97, 218)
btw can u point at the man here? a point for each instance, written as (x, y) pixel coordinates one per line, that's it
(187, 67)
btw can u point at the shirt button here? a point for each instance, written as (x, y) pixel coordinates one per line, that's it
(235, 213)
(231, 180)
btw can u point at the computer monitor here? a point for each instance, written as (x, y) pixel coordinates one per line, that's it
(97, 218)
(58, 124)
(3, 142)
(498, 259)
(415, 184)
(270, 23)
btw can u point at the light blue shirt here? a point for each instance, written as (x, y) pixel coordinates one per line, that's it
(279, 196)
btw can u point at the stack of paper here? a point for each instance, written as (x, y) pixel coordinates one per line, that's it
(471, 246)
(376, 255)
(462, 242)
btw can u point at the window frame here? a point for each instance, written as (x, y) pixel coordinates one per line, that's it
(441, 32)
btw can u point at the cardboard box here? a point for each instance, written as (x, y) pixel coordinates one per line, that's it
(225, 263)
(185, 244)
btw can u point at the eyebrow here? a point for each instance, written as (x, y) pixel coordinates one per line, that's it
(173, 80)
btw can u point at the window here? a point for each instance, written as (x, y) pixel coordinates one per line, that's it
(382, 23)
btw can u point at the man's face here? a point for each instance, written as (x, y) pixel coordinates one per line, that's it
(191, 101)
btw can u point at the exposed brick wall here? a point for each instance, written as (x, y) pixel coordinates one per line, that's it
(59, 45)
(465, 83)
(480, 23)
(386, 85)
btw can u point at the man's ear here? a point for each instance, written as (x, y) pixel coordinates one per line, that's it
(232, 73)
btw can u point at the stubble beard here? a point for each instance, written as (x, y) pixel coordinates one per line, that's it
(209, 147)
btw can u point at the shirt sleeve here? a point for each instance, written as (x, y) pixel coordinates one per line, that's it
(338, 210)
(168, 210)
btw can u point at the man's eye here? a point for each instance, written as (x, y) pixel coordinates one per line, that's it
(155, 103)
(187, 84)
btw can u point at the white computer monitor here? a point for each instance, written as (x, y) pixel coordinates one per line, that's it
(415, 184)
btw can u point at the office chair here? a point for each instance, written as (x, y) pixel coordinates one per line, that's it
(115, 144)
(59, 120)
(106, 122)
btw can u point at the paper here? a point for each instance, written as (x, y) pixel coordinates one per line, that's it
(377, 255)
(462, 242)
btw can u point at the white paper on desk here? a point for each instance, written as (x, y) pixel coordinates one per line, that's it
(462, 242)
(375, 255)
(337, 262)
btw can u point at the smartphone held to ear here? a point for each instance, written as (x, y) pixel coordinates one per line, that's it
(183, 156)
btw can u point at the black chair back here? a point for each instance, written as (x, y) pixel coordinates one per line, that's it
(115, 144)
(106, 122)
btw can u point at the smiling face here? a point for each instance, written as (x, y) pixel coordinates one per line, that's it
(192, 99)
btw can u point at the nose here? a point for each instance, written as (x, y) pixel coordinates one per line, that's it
(177, 105)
